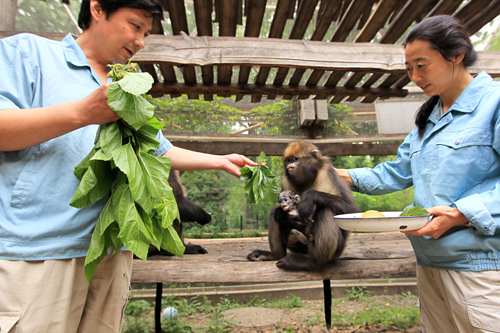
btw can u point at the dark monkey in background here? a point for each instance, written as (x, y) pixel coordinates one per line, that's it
(323, 195)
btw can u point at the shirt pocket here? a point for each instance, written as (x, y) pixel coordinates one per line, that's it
(8, 320)
(415, 148)
(462, 158)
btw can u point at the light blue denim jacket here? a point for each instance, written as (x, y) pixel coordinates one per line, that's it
(457, 164)
(37, 184)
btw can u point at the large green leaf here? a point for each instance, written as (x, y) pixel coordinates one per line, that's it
(156, 171)
(135, 110)
(126, 160)
(100, 242)
(132, 229)
(167, 209)
(136, 83)
(111, 138)
(172, 242)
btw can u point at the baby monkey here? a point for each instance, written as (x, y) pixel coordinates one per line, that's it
(292, 229)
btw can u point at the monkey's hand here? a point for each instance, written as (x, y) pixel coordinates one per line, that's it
(307, 206)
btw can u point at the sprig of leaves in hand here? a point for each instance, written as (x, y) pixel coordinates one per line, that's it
(261, 185)
(141, 208)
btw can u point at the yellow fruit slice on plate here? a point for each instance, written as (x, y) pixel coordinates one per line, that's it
(372, 213)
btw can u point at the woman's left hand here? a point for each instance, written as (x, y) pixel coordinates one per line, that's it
(444, 218)
(233, 163)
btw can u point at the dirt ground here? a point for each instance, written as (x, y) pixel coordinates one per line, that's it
(310, 318)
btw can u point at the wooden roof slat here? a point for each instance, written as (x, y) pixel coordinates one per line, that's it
(371, 81)
(349, 20)
(304, 15)
(254, 10)
(203, 15)
(485, 16)
(227, 27)
(151, 70)
(470, 9)
(376, 21)
(326, 18)
(178, 19)
(404, 19)
(353, 81)
(399, 6)
(388, 82)
(445, 7)
(167, 71)
(365, 14)
(283, 9)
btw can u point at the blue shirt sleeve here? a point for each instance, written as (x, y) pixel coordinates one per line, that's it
(18, 82)
(386, 177)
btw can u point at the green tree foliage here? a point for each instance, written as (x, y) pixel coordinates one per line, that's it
(46, 16)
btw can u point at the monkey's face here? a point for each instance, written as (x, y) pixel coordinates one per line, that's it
(288, 200)
(292, 164)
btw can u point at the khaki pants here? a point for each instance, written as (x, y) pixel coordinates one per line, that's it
(54, 295)
(452, 301)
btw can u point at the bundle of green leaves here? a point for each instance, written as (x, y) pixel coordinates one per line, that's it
(122, 165)
(261, 185)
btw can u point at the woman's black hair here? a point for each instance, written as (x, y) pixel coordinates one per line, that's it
(111, 6)
(450, 38)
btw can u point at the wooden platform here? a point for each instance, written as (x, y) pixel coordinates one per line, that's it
(370, 255)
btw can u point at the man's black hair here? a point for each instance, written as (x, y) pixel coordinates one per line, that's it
(111, 6)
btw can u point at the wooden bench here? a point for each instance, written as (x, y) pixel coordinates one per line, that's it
(368, 255)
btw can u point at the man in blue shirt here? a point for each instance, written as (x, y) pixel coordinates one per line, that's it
(53, 96)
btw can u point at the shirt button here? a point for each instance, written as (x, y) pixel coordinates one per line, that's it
(457, 142)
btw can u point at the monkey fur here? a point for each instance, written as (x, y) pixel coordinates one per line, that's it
(323, 195)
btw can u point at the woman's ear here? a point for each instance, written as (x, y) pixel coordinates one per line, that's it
(458, 59)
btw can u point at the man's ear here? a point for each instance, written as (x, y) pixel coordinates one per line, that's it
(96, 11)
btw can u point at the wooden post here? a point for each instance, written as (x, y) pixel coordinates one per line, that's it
(8, 11)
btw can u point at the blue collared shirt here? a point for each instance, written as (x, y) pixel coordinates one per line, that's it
(37, 183)
(456, 164)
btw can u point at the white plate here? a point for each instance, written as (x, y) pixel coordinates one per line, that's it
(391, 222)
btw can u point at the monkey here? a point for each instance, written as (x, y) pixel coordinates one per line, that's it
(188, 211)
(323, 195)
(292, 229)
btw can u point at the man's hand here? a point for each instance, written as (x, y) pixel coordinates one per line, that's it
(94, 108)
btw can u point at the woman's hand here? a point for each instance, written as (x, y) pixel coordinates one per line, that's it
(233, 163)
(444, 218)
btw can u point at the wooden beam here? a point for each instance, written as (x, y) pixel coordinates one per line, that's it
(236, 51)
(345, 146)
(269, 89)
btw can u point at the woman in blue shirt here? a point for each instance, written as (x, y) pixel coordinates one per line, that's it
(452, 160)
